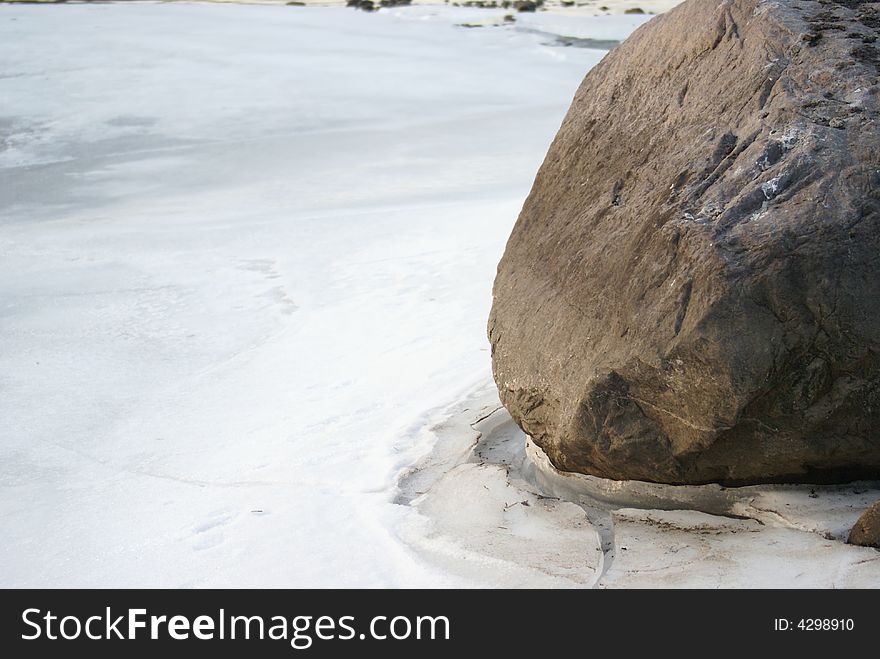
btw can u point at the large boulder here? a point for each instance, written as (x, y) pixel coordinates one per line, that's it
(691, 293)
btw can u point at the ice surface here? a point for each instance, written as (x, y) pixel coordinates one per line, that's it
(600, 28)
(479, 516)
(686, 548)
(247, 253)
(478, 524)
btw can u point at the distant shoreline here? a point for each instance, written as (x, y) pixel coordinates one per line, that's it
(563, 7)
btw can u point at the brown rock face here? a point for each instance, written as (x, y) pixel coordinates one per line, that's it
(866, 531)
(691, 293)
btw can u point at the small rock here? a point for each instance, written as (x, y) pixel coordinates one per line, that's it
(866, 532)
(527, 5)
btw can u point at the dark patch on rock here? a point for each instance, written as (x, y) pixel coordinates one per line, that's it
(812, 38)
(615, 193)
(867, 53)
(870, 18)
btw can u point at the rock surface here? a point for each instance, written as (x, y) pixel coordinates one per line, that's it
(866, 531)
(690, 293)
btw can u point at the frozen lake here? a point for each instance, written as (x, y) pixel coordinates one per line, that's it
(246, 255)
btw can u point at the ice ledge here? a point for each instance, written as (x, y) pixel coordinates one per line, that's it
(490, 508)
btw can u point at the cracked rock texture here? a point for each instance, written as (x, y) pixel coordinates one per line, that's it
(691, 293)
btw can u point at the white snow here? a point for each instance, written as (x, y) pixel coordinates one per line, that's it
(771, 187)
(246, 252)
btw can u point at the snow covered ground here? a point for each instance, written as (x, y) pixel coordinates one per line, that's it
(245, 252)
(246, 257)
